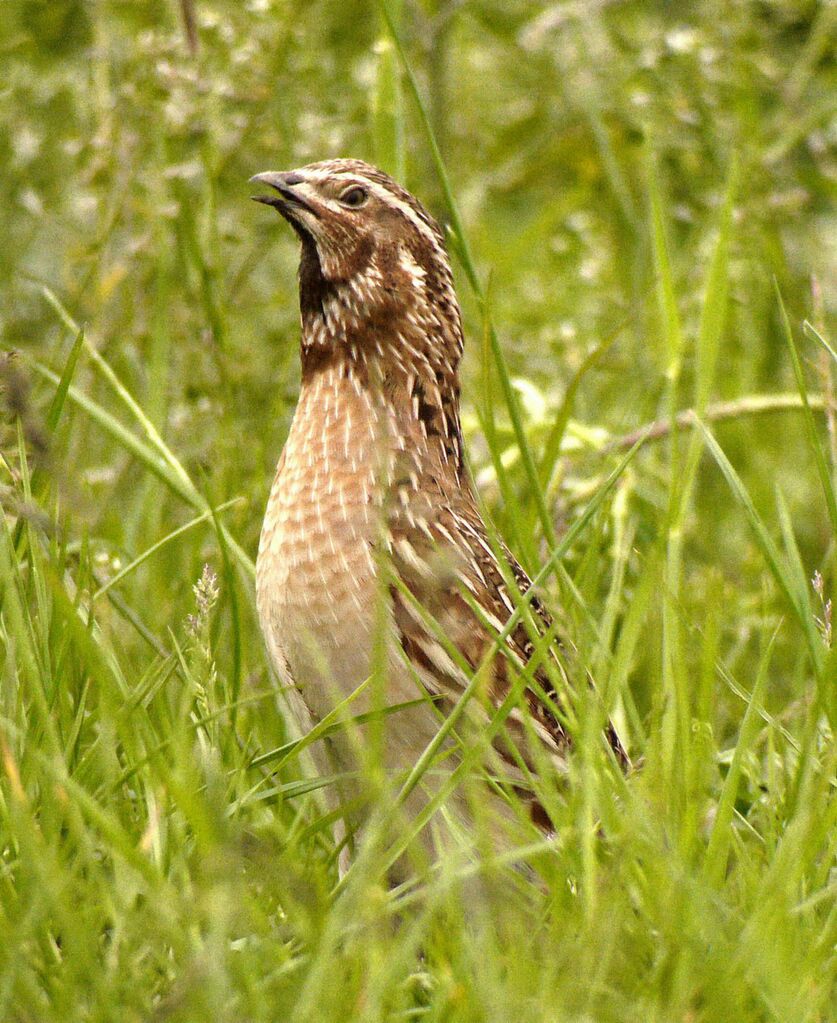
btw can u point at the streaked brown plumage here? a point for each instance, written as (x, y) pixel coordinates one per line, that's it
(373, 468)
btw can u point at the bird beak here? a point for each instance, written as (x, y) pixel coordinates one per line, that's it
(288, 199)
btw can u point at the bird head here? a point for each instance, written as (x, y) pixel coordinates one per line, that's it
(374, 272)
(352, 216)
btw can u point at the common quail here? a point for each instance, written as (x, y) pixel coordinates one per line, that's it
(372, 525)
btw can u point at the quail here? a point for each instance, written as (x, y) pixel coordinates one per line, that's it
(372, 524)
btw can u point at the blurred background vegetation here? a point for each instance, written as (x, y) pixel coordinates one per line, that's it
(128, 132)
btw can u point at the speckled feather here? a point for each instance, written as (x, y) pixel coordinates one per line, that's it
(373, 466)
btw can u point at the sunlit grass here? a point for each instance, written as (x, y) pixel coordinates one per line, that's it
(649, 416)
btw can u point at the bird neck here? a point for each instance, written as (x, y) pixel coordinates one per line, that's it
(406, 364)
(392, 329)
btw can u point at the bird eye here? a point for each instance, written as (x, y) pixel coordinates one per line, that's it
(354, 196)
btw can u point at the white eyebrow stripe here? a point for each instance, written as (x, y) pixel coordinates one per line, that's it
(386, 196)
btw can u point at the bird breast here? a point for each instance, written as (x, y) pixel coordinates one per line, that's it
(316, 569)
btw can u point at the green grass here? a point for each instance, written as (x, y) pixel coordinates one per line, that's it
(638, 206)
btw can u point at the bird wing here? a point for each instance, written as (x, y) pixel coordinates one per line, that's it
(451, 599)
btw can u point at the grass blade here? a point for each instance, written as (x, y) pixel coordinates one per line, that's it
(152, 460)
(774, 561)
(720, 838)
(810, 426)
(155, 547)
(812, 332)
